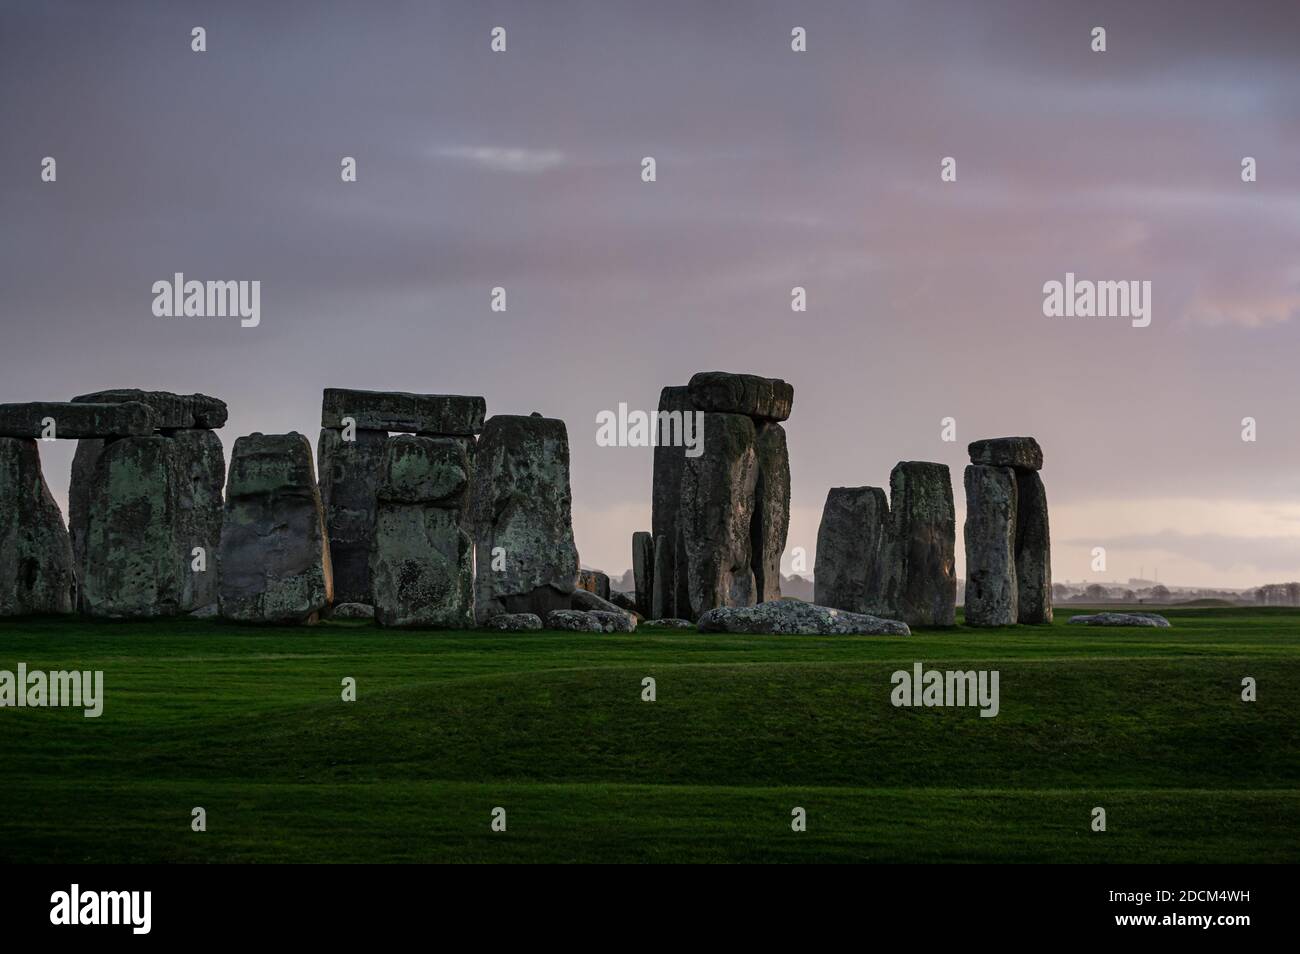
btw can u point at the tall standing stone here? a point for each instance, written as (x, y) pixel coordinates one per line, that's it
(662, 597)
(1033, 549)
(643, 571)
(853, 551)
(717, 504)
(350, 475)
(666, 500)
(924, 531)
(201, 461)
(422, 562)
(274, 558)
(36, 574)
(522, 515)
(771, 520)
(990, 537)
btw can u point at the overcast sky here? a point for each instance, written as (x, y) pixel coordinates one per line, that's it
(821, 169)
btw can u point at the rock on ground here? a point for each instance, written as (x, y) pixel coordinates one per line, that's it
(578, 621)
(670, 623)
(352, 611)
(36, 575)
(522, 517)
(1121, 619)
(990, 533)
(274, 559)
(795, 617)
(514, 622)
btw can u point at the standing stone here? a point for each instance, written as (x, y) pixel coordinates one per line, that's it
(643, 570)
(350, 475)
(36, 574)
(662, 594)
(990, 535)
(201, 461)
(853, 552)
(522, 510)
(924, 532)
(717, 504)
(81, 488)
(771, 521)
(665, 505)
(274, 557)
(594, 581)
(1033, 549)
(133, 565)
(422, 562)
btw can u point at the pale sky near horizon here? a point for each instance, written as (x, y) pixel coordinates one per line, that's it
(775, 169)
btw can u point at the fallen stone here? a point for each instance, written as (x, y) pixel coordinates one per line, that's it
(36, 575)
(670, 623)
(771, 520)
(923, 532)
(274, 558)
(990, 533)
(135, 564)
(522, 517)
(421, 563)
(795, 617)
(766, 399)
(625, 602)
(76, 420)
(427, 414)
(577, 621)
(350, 472)
(853, 551)
(643, 570)
(616, 622)
(1022, 453)
(594, 581)
(171, 411)
(514, 622)
(716, 512)
(1033, 549)
(352, 611)
(1121, 619)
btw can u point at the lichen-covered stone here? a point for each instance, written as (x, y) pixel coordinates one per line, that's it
(670, 623)
(771, 519)
(594, 581)
(134, 565)
(522, 517)
(426, 414)
(350, 472)
(795, 617)
(853, 551)
(421, 562)
(514, 622)
(274, 557)
(36, 575)
(201, 460)
(923, 534)
(643, 570)
(578, 621)
(1033, 549)
(990, 535)
(716, 512)
(764, 399)
(171, 411)
(624, 601)
(1122, 619)
(1022, 453)
(352, 611)
(75, 421)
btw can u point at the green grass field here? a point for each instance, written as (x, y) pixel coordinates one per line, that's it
(250, 725)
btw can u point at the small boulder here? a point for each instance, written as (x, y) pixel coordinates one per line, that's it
(514, 622)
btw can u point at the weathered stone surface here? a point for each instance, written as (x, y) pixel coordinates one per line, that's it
(771, 520)
(1022, 453)
(171, 411)
(616, 622)
(853, 551)
(588, 601)
(427, 414)
(134, 566)
(578, 621)
(515, 622)
(36, 575)
(795, 617)
(923, 534)
(76, 420)
(643, 570)
(80, 489)
(211, 611)
(274, 557)
(624, 601)
(1121, 619)
(670, 623)
(200, 509)
(350, 472)
(1033, 550)
(352, 611)
(522, 504)
(665, 507)
(594, 581)
(990, 534)
(766, 399)
(716, 512)
(421, 562)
